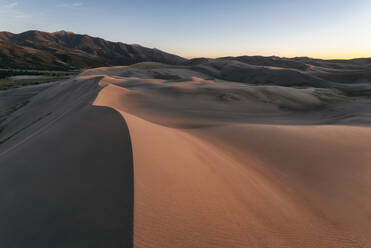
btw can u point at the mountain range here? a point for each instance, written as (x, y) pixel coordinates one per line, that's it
(66, 50)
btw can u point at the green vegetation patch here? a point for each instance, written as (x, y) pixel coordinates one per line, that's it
(9, 80)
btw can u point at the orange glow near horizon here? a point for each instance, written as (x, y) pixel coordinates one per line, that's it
(316, 56)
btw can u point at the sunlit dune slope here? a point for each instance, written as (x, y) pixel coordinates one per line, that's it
(208, 173)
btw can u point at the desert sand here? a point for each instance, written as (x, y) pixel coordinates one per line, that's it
(207, 175)
(215, 163)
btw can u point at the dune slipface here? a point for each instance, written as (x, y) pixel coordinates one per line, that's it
(68, 183)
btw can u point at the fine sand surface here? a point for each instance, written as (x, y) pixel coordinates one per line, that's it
(13, 99)
(207, 175)
(216, 163)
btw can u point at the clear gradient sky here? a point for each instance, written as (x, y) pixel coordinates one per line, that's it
(208, 28)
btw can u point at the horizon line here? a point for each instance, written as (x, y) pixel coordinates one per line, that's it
(207, 57)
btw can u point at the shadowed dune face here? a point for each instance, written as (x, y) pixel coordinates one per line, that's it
(207, 174)
(69, 188)
(66, 175)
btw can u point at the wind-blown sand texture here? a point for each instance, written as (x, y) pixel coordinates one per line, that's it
(227, 164)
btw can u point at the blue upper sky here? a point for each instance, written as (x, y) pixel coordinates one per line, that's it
(210, 28)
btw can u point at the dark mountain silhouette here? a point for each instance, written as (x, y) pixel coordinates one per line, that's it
(66, 50)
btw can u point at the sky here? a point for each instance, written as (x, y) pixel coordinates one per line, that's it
(207, 28)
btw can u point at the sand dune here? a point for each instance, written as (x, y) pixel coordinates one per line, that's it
(216, 163)
(216, 180)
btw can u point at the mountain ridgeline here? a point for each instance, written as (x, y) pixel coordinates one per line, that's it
(66, 50)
